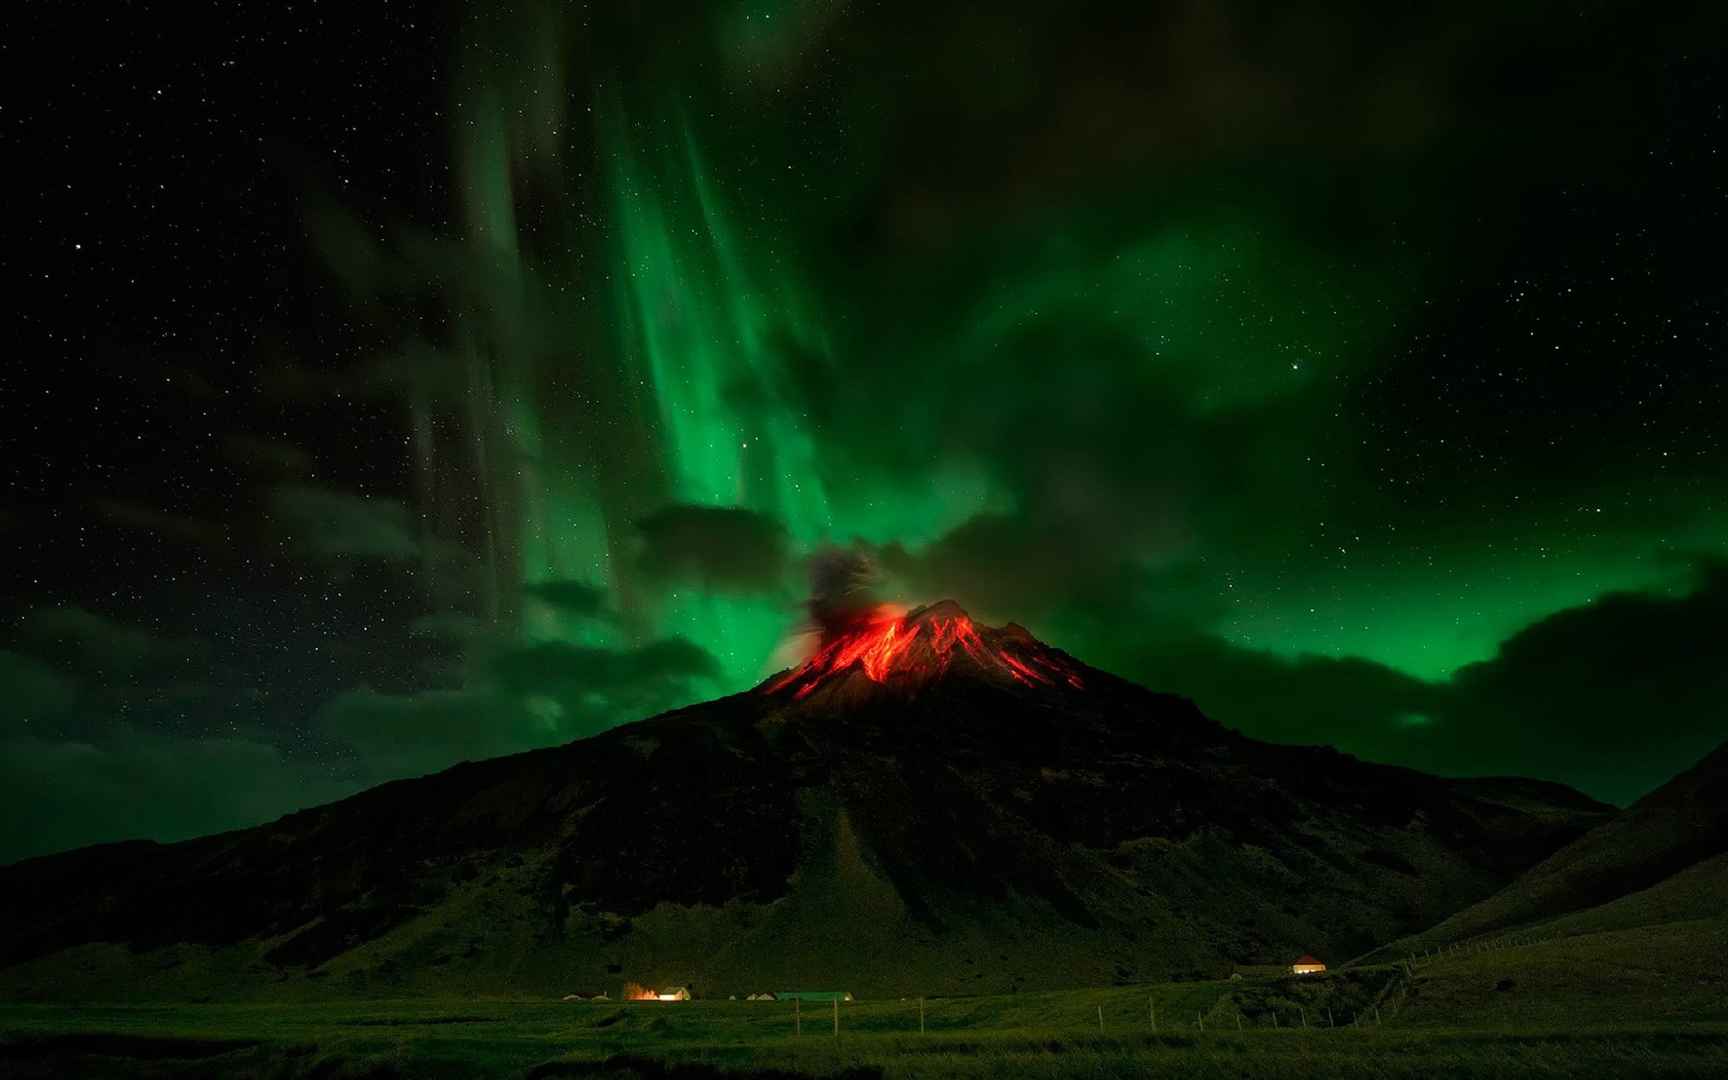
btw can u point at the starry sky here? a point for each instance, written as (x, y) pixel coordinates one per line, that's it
(403, 384)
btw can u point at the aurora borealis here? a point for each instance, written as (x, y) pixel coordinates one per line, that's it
(400, 391)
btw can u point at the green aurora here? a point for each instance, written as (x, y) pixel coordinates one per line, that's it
(725, 365)
(1304, 381)
(666, 318)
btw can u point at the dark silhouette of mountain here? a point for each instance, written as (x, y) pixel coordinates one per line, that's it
(1662, 860)
(928, 805)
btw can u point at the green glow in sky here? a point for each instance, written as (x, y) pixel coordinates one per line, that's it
(1142, 409)
(1369, 393)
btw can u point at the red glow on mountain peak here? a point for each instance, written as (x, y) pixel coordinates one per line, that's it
(890, 643)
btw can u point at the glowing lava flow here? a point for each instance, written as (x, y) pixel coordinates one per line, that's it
(923, 645)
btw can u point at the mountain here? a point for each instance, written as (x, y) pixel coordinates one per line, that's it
(928, 805)
(1624, 926)
(1662, 860)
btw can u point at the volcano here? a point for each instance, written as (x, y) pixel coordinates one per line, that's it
(927, 805)
(903, 651)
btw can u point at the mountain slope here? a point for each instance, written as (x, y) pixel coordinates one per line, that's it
(1663, 860)
(927, 806)
(1625, 925)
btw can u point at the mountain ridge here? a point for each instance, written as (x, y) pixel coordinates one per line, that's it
(913, 813)
(1659, 860)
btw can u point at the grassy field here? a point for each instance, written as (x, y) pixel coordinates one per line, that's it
(1250, 1028)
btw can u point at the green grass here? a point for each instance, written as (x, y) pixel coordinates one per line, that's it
(1052, 1035)
(1652, 975)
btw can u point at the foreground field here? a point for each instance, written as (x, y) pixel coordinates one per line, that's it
(1204, 1030)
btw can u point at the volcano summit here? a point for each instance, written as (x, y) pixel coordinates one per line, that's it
(927, 805)
(906, 651)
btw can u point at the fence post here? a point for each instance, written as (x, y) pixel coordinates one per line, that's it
(1201, 1020)
(1152, 1013)
(1329, 1022)
(920, 1016)
(1100, 1019)
(836, 1017)
(797, 1016)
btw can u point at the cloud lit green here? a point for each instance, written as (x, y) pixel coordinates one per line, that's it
(1291, 362)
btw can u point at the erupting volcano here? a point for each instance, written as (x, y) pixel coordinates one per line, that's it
(992, 815)
(887, 647)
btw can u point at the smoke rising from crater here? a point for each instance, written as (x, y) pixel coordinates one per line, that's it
(845, 587)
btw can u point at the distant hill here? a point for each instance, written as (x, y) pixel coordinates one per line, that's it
(927, 806)
(1662, 860)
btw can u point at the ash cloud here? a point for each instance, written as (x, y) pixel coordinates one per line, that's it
(845, 586)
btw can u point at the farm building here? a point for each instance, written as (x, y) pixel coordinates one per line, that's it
(1307, 965)
(813, 995)
(588, 995)
(762, 996)
(672, 993)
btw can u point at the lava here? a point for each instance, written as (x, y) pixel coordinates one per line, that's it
(923, 644)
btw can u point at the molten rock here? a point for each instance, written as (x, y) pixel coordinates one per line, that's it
(889, 648)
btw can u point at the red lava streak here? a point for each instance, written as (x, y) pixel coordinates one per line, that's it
(920, 645)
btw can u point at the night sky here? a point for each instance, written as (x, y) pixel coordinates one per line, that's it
(396, 384)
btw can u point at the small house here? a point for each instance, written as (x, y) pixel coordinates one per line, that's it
(1307, 965)
(813, 995)
(762, 996)
(672, 993)
(588, 995)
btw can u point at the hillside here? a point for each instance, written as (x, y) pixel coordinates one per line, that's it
(1623, 926)
(928, 806)
(1663, 860)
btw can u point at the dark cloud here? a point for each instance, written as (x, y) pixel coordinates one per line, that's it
(328, 524)
(112, 731)
(982, 113)
(267, 457)
(86, 756)
(63, 793)
(1204, 445)
(572, 597)
(1613, 697)
(400, 735)
(78, 674)
(445, 626)
(107, 651)
(35, 692)
(1362, 707)
(528, 696)
(1011, 566)
(175, 528)
(720, 549)
(614, 683)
